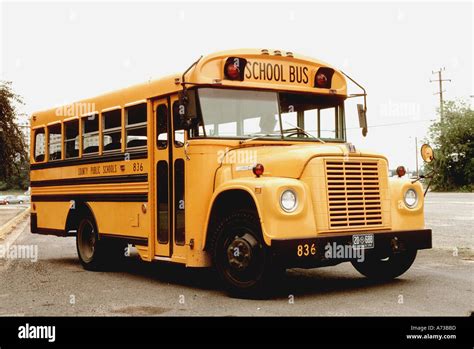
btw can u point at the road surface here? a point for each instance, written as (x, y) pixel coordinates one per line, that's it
(439, 283)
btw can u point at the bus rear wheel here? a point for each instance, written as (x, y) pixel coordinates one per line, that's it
(241, 258)
(87, 244)
(94, 253)
(387, 268)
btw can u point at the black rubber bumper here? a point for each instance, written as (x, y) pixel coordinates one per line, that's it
(312, 252)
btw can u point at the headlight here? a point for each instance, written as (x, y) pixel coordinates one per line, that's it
(411, 198)
(288, 201)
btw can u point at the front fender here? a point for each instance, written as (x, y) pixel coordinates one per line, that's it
(266, 192)
(404, 218)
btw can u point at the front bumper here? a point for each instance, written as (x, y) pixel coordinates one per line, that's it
(313, 252)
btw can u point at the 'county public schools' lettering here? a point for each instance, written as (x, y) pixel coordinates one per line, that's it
(97, 170)
(276, 72)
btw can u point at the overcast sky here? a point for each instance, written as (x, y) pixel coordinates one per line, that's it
(57, 53)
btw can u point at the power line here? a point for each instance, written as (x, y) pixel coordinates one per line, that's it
(440, 92)
(393, 124)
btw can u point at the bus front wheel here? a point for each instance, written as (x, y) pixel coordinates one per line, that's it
(241, 258)
(385, 268)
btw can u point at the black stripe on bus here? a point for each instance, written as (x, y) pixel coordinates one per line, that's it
(91, 160)
(49, 231)
(132, 197)
(133, 240)
(91, 180)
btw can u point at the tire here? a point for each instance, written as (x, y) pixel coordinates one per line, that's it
(96, 254)
(389, 268)
(241, 258)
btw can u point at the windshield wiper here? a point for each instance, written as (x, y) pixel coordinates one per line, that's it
(265, 136)
(297, 128)
(260, 136)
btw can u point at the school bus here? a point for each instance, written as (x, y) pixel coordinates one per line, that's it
(240, 163)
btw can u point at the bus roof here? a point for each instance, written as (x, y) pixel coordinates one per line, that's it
(260, 68)
(107, 100)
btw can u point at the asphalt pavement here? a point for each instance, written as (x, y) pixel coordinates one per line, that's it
(439, 283)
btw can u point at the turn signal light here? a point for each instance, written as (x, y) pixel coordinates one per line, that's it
(234, 68)
(258, 170)
(401, 171)
(232, 71)
(323, 77)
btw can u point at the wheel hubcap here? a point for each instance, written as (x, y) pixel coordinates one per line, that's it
(240, 251)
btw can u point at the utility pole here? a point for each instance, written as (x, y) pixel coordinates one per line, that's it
(440, 80)
(416, 156)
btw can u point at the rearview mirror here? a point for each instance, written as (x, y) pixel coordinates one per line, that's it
(427, 153)
(187, 111)
(187, 102)
(362, 119)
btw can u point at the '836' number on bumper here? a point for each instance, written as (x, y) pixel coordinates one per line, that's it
(305, 250)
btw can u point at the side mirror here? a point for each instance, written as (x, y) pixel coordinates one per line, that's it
(187, 102)
(187, 108)
(427, 153)
(362, 119)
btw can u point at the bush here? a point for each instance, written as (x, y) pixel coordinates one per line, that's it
(452, 141)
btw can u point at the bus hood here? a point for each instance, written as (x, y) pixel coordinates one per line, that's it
(285, 160)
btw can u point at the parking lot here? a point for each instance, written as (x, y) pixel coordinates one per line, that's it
(439, 283)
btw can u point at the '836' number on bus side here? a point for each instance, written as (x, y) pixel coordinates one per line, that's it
(306, 250)
(137, 167)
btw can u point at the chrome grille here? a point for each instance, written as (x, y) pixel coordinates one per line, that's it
(353, 189)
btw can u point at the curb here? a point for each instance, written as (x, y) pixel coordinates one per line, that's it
(8, 227)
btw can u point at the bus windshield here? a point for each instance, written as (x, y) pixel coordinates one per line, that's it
(232, 113)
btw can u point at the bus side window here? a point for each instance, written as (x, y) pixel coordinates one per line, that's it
(162, 126)
(112, 137)
(90, 137)
(54, 142)
(71, 139)
(178, 128)
(136, 126)
(39, 145)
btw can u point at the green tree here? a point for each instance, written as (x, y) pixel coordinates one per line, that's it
(14, 164)
(452, 141)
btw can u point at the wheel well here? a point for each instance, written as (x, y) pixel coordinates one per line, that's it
(226, 202)
(76, 212)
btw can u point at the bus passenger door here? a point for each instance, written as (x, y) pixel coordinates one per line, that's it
(169, 180)
(177, 159)
(162, 153)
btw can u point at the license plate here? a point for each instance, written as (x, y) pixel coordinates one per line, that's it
(363, 241)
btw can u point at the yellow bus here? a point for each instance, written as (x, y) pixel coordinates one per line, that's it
(240, 163)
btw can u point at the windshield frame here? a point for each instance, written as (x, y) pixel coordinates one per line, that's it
(340, 122)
